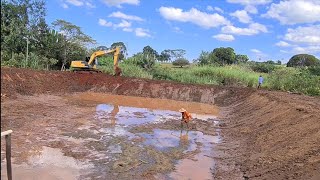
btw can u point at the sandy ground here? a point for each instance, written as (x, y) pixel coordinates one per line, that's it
(263, 134)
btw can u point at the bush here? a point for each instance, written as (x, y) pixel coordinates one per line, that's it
(128, 69)
(180, 62)
(294, 80)
(315, 70)
(303, 60)
(262, 67)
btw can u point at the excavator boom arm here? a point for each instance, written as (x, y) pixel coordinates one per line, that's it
(115, 51)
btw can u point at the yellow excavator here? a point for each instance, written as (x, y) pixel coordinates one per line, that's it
(91, 63)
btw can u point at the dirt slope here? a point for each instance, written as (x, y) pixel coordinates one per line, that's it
(267, 135)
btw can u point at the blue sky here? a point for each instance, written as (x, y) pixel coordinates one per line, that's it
(261, 29)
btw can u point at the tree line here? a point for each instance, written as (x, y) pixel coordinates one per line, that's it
(28, 41)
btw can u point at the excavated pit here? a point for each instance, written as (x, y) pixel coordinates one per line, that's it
(95, 126)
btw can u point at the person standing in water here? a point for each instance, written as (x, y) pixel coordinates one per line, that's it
(186, 117)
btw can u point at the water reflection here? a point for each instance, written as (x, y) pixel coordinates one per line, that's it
(184, 138)
(113, 114)
(127, 116)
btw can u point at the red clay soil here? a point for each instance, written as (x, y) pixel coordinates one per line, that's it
(267, 134)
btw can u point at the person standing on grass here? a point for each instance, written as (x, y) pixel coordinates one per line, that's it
(260, 81)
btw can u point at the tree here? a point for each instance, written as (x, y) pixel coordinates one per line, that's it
(207, 58)
(270, 62)
(14, 23)
(123, 49)
(142, 60)
(225, 55)
(149, 52)
(75, 41)
(204, 58)
(242, 58)
(279, 62)
(180, 62)
(164, 56)
(175, 53)
(303, 60)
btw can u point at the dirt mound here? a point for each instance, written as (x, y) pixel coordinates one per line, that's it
(267, 134)
(27, 82)
(277, 136)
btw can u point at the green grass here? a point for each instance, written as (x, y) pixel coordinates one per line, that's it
(128, 70)
(282, 78)
(228, 75)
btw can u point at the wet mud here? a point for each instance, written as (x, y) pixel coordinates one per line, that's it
(259, 134)
(99, 136)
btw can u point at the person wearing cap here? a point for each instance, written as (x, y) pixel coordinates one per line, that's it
(186, 117)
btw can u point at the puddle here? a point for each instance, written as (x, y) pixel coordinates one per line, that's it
(116, 120)
(127, 116)
(164, 139)
(186, 168)
(193, 169)
(49, 164)
(142, 102)
(141, 133)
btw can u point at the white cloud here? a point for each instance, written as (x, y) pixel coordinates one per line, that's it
(242, 16)
(121, 15)
(210, 8)
(255, 51)
(283, 51)
(140, 32)
(75, 2)
(86, 3)
(250, 2)
(224, 37)
(302, 39)
(123, 24)
(283, 44)
(177, 30)
(259, 54)
(65, 6)
(295, 11)
(194, 16)
(258, 27)
(251, 9)
(305, 35)
(103, 22)
(254, 28)
(127, 29)
(306, 49)
(218, 9)
(118, 3)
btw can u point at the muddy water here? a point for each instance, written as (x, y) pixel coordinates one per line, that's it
(48, 164)
(119, 137)
(142, 102)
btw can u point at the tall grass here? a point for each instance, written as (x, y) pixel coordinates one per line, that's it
(294, 80)
(282, 78)
(226, 75)
(128, 70)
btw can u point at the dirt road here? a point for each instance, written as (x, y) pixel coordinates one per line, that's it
(265, 134)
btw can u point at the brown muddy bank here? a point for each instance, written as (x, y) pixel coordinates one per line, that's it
(266, 134)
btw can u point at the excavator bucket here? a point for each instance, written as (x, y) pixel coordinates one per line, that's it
(117, 71)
